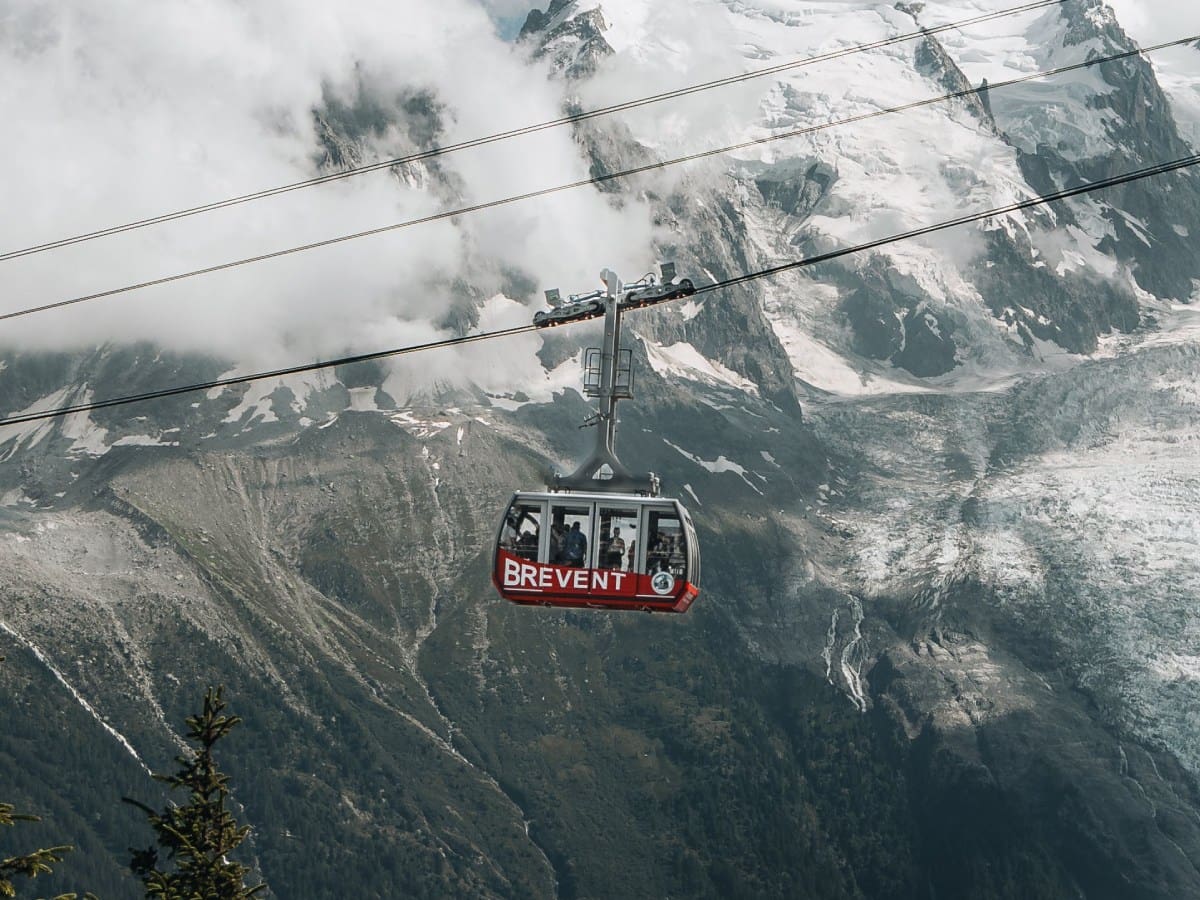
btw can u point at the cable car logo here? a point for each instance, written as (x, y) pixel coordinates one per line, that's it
(662, 583)
(537, 577)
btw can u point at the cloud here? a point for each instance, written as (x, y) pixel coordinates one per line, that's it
(512, 9)
(124, 110)
(1154, 21)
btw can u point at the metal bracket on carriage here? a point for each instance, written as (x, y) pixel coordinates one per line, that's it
(647, 291)
(603, 472)
(650, 290)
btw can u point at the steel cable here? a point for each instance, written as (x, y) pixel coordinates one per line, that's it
(518, 132)
(1148, 172)
(595, 180)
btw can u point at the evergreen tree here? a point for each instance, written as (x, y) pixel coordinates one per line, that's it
(28, 865)
(198, 837)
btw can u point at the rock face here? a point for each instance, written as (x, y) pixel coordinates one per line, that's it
(944, 645)
(1126, 124)
(572, 40)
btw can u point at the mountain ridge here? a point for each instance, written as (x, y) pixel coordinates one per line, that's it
(933, 651)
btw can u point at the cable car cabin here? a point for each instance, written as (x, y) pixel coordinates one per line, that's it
(601, 551)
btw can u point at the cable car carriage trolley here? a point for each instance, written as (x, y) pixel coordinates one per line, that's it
(601, 538)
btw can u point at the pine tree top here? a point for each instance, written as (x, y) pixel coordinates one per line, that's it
(195, 840)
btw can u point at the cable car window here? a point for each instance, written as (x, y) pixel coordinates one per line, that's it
(666, 548)
(618, 538)
(570, 530)
(522, 528)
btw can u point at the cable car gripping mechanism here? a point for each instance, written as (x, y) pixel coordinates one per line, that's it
(612, 379)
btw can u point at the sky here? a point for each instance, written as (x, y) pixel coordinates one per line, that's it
(510, 15)
(1154, 21)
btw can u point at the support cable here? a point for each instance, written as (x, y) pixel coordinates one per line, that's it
(1137, 175)
(523, 130)
(595, 180)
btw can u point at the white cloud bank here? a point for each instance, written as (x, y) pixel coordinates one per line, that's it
(124, 109)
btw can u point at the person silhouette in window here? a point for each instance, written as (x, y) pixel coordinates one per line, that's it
(616, 550)
(527, 545)
(558, 536)
(509, 536)
(574, 546)
(656, 559)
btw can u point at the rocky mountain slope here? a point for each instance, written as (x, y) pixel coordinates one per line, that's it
(944, 492)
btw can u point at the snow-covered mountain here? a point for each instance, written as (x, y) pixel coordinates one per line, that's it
(945, 491)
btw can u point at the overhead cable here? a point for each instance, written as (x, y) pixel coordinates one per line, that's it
(1039, 200)
(523, 130)
(1137, 175)
(594, 180)
(260, 376)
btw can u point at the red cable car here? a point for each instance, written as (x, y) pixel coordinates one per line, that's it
(601, 538)
(597, 550)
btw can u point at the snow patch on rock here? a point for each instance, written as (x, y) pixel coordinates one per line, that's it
(682, 360)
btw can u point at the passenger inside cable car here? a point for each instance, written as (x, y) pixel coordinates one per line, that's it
(545, 537)
(520, 534)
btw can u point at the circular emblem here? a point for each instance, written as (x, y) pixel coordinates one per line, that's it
(663, 582)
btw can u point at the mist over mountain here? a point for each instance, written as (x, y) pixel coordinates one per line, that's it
(945, 489)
